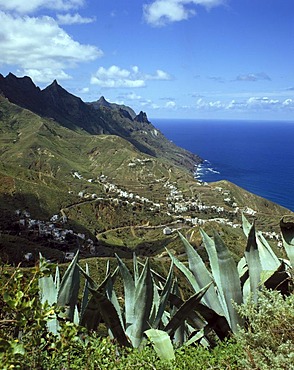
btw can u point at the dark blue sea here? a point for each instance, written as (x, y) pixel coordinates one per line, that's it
(256, 155)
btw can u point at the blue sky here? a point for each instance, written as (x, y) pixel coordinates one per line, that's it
(218, 59)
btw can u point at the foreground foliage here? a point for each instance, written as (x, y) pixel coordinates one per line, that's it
(267, 343)
(44, 324)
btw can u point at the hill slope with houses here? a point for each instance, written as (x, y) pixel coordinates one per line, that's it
(99, 178)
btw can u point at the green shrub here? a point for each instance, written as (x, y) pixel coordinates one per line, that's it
(268, 339)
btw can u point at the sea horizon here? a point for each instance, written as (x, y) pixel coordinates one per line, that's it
(256, 155)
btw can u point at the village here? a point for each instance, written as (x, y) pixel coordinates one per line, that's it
(183, 211)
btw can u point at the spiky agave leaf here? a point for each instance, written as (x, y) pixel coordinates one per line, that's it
(216, 322)
(179, 336)
(246, 225)
(287, 229)
(161, 343)
(85, 297)
(269, 261)
(111, 295)
(129, 292)
(226, 277)
(141, 306)
(91, 315)
(110, 316)
(202, 276)
(163, 298)
(48, 293)
(183, 312)
(69, 288)
(253, 262)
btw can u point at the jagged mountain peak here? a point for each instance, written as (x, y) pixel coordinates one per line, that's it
(99, 117)
(25, 81)
(142, 118)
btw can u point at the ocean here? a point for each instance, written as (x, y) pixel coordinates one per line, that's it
(256, 155)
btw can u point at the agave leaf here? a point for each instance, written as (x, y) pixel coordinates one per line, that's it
(269, 261)
(155, 274)
(136, 268)
(164, 297)
(91, 316)
(110, 292)
(253, 262)
(129, 291)
(69, 288)
(57, 278)
(142, 306)
(226, 277)
(188, 274)
(48, 293)
(85, 297)
(287, 229)
(48, 290)
(155, 306)
(192, 280)
(183, 312)
(161, 343)
(76, 317)
(195, 338)
(216, 322)
(246, 290)
(243, 271)
(110, 317)
(278, 280)
(179, 336)
(202, 276)
(246, 225)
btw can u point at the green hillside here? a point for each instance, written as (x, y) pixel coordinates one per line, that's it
(102, 186)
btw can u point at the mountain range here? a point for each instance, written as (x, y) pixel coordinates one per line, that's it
(100, 178)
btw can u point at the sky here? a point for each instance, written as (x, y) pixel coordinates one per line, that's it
(197, 59)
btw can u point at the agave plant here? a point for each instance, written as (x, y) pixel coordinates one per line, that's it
(145, 305)
(232, 284)
(62, 293)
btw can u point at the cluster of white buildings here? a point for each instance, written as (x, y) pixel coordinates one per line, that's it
(140, 162)
(176, 203)
(52, 229)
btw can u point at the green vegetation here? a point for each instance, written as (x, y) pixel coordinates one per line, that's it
(92, 182)
(118, 196)
(44, 324)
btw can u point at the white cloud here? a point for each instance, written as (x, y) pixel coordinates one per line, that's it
(202, 104)
(84, 90)
(40, 45)
(45, 74)
(250, 104)
(133, 96)
(262, 102)
(253, 77)
(288, 103)
(115, 77)
(159, 75)
(161, 12)
(73, 19)
(29, 6)
(170, 104)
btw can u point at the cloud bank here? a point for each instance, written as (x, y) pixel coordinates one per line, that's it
(66, 19)
(38, 46)
(115, 76)
(162, 12)
(30, 6)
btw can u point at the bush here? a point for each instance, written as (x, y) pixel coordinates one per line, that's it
(268, 338)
